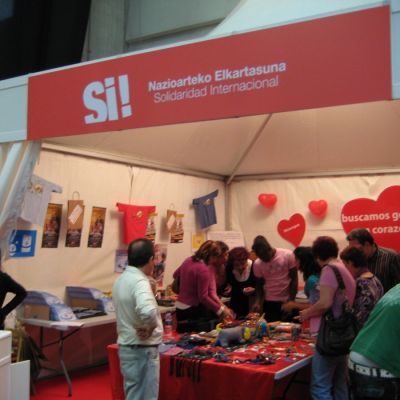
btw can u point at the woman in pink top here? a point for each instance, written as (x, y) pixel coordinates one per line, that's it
(278, 269)
(198, 306)
(329, 373)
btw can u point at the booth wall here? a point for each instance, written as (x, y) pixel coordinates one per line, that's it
(102, 184)
(293, 197)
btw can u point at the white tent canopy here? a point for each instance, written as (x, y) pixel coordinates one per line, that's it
(350, 139)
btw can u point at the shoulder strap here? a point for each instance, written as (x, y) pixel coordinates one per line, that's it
(339, 278)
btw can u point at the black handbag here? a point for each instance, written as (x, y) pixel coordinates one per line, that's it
(336, 335)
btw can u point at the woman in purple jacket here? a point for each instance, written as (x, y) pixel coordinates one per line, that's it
(198, 307)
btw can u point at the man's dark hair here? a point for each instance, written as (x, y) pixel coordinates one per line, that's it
(362, 236)
(139, 252)
(264, 251)
(324, 248)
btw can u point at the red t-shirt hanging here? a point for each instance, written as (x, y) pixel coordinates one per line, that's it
(135, 220)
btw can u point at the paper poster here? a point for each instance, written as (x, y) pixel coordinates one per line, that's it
(75, 222)
(51, 227)
(151, 227)
(171, 220)
(197, 240)
(22, 243)
(231, 238)
(160, 258)
(96, 230)
(121, 260)
(177, 231)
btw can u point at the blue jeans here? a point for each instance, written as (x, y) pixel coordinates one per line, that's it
(140, 368)
(329, 377)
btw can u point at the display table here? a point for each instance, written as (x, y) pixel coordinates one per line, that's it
(213, 380)
(66, 329)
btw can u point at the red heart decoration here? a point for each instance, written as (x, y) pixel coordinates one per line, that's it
(380, 217)
(318, 207)
(293, 229)
(268, 200)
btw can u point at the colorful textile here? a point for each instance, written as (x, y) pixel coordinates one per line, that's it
(205, 209)
(368, 291)
(379, 340)
(135, 220)
(37, 197)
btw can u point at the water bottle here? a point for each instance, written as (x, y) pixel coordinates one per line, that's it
(168, 324)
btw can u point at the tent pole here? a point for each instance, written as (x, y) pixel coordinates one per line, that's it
(249, 147)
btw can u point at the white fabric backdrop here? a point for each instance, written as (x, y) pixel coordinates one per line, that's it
(103, 184)
(293, 197)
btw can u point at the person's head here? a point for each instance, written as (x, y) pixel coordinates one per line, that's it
(305, 261)
(263, 250)
(141, 255)
(354, 259)
(238, 258)
(221, 260)
(208, 252)
(362, 239)
(324, 248)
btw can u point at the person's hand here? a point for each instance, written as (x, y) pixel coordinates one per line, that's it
(288, 306)
(303, 315)
(144, 332)
(227, 314)
(227, 291)
(248, 290)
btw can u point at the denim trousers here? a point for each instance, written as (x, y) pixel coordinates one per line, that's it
(372, 387)
(140, 368)
(329, 377)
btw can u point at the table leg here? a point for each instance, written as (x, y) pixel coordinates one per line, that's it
(65, 371)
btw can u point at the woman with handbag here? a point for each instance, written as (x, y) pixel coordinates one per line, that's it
(328, 376)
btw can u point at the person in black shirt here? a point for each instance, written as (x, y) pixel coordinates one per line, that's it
(8, 285)
(382, 262)
(244, 289)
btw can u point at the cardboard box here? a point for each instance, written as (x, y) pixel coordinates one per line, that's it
(37, 311)
(82, 302)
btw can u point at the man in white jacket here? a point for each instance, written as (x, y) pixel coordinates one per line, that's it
(139, 324)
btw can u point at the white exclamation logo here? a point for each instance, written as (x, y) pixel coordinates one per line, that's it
(106, 109)
(126, 108)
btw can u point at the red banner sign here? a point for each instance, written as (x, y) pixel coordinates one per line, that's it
(380, 217)
(335, 60)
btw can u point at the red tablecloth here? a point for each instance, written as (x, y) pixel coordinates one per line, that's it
(217, 380)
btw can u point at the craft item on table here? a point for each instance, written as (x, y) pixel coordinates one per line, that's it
(258, 359)
(36, 199)
(75, 222)
(228, 336)
(189, 363)
(205, 209)
(135, 220)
